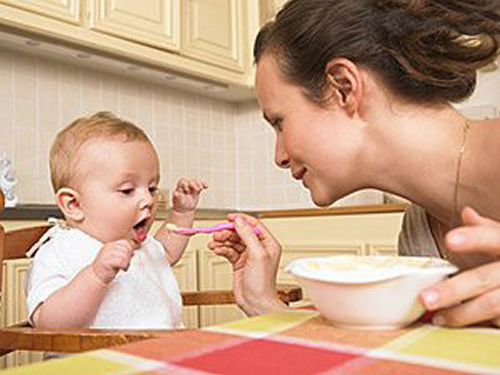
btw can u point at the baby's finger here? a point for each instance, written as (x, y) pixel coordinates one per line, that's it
(134, 244)
(183, 185)
(199, 185)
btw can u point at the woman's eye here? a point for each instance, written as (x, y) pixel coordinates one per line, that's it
(277, 124)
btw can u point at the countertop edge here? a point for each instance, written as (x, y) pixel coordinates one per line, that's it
(42, 212)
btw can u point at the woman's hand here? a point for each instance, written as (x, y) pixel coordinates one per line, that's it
(472, 296)
(255, 264)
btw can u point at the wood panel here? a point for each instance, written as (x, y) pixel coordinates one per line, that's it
(63, 10)
(215, 31)
(151, 22)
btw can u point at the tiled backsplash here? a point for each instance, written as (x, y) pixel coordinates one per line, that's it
(226, 144)
(223, 143)
(194, 135)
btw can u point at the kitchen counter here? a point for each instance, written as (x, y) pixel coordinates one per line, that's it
(42, 212)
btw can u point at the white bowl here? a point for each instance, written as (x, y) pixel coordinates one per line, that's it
(369, 292)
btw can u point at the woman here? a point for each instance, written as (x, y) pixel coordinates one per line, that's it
(359, 93)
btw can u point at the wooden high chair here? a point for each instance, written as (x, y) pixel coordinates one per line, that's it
(15, 243)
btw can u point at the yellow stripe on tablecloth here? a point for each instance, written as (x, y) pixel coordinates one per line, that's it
(469, 349)
(264, 325)
(74, 365)
(99, 362)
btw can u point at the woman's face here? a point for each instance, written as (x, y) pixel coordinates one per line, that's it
(318, 144)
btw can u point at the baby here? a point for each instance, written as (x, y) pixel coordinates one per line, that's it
(102, 269)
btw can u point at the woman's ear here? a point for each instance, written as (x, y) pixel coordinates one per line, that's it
(68, 201)
(344, 85)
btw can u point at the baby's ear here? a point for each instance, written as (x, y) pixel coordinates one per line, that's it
(68, 201)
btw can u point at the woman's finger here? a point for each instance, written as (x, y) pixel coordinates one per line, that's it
(478, 238)
(485, 307)
(249, 238)
(269, 242)
(464, 286)
(471, 217)
(226, 235)
(230, 254)
(496, 322)
(239, 247)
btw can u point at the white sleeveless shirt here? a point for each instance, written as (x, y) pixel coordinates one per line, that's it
(146, 296)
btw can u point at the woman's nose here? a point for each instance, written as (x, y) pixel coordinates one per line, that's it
(281, 158)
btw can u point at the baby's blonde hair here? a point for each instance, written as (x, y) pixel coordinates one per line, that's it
(64, 151)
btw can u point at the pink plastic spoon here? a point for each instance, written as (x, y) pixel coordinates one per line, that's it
(216, 228)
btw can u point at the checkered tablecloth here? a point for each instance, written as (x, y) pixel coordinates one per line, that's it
(298, 342)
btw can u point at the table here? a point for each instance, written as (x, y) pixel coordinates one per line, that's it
(296, 342)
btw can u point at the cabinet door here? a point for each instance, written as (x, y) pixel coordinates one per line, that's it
(185, 273)
(65, 10)
(216, 273)
(214, 31)
(151, 22)
(269, 8)
(14, 309)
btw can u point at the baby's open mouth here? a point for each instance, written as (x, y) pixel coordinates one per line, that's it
(141, 230)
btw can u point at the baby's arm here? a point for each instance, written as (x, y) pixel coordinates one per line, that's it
(76, 304)
(185, 199)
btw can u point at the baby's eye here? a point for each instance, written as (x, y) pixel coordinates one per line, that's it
(127, 191)
(153, 190)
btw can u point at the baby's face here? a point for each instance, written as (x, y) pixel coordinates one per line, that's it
(117, 182)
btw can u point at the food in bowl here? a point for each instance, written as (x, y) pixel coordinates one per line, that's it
(369, 292)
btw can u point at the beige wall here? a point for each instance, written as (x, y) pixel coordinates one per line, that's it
(228, 145)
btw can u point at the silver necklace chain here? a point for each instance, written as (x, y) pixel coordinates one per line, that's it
(455, 214)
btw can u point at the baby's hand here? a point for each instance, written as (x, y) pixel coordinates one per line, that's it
(113, 257)
(187, 194)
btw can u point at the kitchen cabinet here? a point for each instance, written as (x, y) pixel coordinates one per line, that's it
(269, 8)
(64, 10)
(152, 22)
(215, 31)
(13, 309)
(205, 39)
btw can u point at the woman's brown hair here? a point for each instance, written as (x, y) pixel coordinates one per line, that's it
(425, 51)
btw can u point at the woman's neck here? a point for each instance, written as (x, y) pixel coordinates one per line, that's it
(420, 149)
